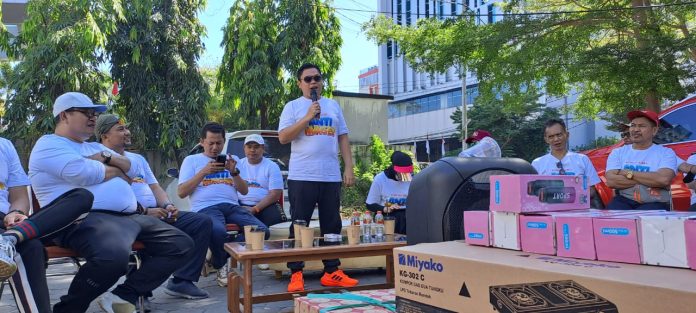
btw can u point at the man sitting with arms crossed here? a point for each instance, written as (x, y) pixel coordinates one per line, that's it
(106, 235)
(264, 180)
(212, 188)
(115, 135)
(643, 171)
(560, 161)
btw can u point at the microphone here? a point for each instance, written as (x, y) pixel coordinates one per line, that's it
(315, 97)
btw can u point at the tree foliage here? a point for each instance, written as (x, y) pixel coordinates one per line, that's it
(60, 48)
(518, 130)
(154, 54)
(619, 54)
(265, 42)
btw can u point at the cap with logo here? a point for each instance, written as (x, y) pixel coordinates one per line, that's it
(478, 135)
(71, 100)
(652, 116)
(104, 124)
(254, 138)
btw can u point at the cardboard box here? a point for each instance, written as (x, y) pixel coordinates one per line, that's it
(538, 232)
(617, 237)
(505, 228)
(663, 238)
(690, 232)
(538, 193)
(575, 233)
(477, 228)
(314, 305)
(457, 277)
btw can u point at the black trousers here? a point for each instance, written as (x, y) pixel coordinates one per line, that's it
(105, 241)
(29, 282)
(270, 215)
(304, 196)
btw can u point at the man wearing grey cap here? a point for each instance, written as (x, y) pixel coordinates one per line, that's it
(114, 134)
(264, 180)
(105, 236)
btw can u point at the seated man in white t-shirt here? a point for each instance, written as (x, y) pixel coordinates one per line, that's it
(643, 171)
(389, 190)
(264, 180)
(212, 188)
(114, 134)
(484, 146)
(106, 235)
(560, 161)
(688, 167)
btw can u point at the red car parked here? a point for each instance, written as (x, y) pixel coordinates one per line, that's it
(678, 132)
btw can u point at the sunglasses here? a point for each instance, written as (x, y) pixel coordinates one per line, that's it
(308, 79)
(87, 113)
(561, 170)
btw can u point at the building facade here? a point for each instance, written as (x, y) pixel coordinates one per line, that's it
(423, 102)
(368, 80)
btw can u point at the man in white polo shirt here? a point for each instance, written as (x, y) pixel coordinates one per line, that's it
(264, 180)
(106, 235)
(561, 161)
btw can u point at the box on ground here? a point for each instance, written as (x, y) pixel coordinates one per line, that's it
(477, 228)
(538, 193)
(505, 230)
(538, 231)
(314, 305)
(617, 238)
(690, 232)
(457, 277)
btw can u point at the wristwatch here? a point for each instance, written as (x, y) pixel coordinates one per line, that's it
(629, 174)
(107, 156)
(235, 173)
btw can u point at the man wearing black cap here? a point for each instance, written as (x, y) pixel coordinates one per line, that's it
(485, 146)
(642, 171)
(389, 190)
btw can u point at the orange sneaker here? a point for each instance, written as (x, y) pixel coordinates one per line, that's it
(338, 279)
(296, 282)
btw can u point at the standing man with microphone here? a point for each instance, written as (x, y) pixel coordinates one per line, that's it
(317, 130)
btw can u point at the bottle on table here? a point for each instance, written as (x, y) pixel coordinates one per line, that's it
(379, 224)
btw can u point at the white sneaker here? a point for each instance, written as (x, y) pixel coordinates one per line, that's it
(7, 253)
(263, 266)
(112, 303)
(222, 275)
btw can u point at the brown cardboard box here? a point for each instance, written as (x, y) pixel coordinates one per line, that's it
(457, 277)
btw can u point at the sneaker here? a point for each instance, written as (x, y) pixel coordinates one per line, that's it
(222, 275)
(263, 267)
(207, 269)
(7, 264)
(296, 282)
(185, 289)
(112, 303)
(338, 279)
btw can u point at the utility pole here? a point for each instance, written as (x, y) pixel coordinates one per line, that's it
(462, 75)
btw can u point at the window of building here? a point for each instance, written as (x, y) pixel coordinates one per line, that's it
(408, 12)
(427, 8)
(490, 14)
(441, 9)
(454, 7)
(417, 9)
(677, 126)
(389, 50)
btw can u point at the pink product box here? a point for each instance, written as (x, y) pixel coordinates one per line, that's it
(617, 237)
(477, 228)
(538, 231)
(505, 230)
(690, 233)
(663, 238)
(538, 193)
(575, 233)
(314, 305)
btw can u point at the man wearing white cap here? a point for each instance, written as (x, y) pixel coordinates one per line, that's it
(105, 236)
(264, 180)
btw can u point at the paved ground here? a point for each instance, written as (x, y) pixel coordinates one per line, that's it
(264, 282)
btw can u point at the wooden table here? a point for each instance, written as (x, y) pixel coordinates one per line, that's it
(281, 251)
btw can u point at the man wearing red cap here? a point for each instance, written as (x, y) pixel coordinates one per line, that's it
(389, 190)
(486, 146)
(643, 171)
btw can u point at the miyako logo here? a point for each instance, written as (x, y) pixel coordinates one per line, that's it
(615, 231)
(538, 225)
(497, 192)
(476, 235)
(413, 261)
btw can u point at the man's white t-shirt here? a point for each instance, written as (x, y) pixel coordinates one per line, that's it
(485, 148)
(573, 164)
(649, 160)
(213, 189)
(384, 190)
(260, 178)
(314, 153)
(692, 160)
(56, 166)
(11, 173)
(142, 180)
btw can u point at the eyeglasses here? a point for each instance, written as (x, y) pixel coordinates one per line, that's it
(308, 79)
(561, 170)
(88, 113)
(625, 135)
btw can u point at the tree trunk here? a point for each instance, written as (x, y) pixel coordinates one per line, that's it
(263, 111)
(640, 16)
(652, 102)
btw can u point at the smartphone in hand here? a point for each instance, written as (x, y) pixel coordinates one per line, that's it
(222, 158)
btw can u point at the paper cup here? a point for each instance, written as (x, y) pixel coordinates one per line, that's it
(297, 226)
(353, 233)
(257, 239)
(307, 234)
(389, 225)
(247, 231)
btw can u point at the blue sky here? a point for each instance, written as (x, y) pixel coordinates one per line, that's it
(357, 52)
